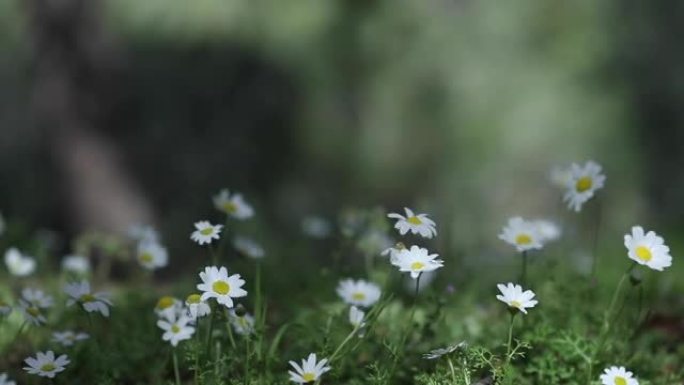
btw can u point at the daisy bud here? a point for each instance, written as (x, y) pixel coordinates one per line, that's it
(635, 278)
(240, 310)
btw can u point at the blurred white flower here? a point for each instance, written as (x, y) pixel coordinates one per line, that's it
(309, 371)
(522, 234)
(79, 292)
(76, 264)
(374, 241)
(415, 223)
(45, 364)
(358, 293)
(176, 329)
(356, 317)
(152, 255)
(548, 230)
(169, 307)
(243, 325)
(143, 233)
(196, 307)
(68, 337)
(205, 232)
(32, 304)
(617, 376)
(515, 297)
(5, 380)
(233, 205)
(18, 264)
(393, 252)
(316, 227)
(37, 297)
(248, 247)
(416, 261)
(436, 353)
(648, 249)
(217, 284)
(583, 183)
(560, 176)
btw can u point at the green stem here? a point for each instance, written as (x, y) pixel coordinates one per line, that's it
(175, 367)
(523, 274)
(18, 334)
(214, 256)
(594, 254)
(405, 333)
(451, 367)
(247, 360)
(344, 342)
(210, 330)
(258, 310)
(510, 339)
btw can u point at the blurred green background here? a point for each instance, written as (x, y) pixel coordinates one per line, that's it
(114, 112)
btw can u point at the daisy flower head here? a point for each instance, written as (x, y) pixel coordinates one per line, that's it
(168, 307)
(582, 184)
(79, 292)
(217, 284)
(358, 293)
(196, 307)
(233, 205)
(515, 297)
(310, 370)
(415, 223)
(248, 247)
(560, 176)
(152, 255)
(436, 353)
(393, 252)
(18, 264)
(242, 324)
(205, 232)
(68, 337)
(45, 364)
(32, 313)
(356, 317)
(548, 230)
(176, 329)
(617, 376)
(76, 264)
(648, 249)
(5, 380)
(416, 260)
(523, 235)
(37, 298)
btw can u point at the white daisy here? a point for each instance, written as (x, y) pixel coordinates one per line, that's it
(617, 376)
(205, 232)
(243, 324)
(522, 234)
(76, 264)
(79, 292)
(152, 255)
(393, 252)
(547, 230)
(309, 371)
(32, 313)
(374, 241)
(436, 353)
(356, 317)
(169, 307)
(648, 249)
(416, 223)
(217, 284)
(5, 380)
(196, 307)
(5, 309)
(68, 337)
(584, 181)
(234, 206)
(416, 261)
(143, 233)
(45, 364)
(176, 329)
(316, 227)
(515, 297)
(37, 298)
(358, 293)
(560, 176)
(18, 264)
(248, 247)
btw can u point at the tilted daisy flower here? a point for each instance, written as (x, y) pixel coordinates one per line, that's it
(5, 308)
(358, 293)
(233, 205)
(32, 313)
(648, 249)
(309, 371)
(415, 223)
(76, 264)
(393, 252)
(196, 307)
(176, 329)
(217, 284)
(18, 264)
(68, 337)
(45, 364)
(5, 380)
(515, 297)
(248, 247)
(560, 176)
(169, 307)
(583, 183)
(356, 317)
(205, 232)
(617, 376)
(416, 260)
(152, 255)
(523, 235)
(436, 353)
(79, 292)
(242, 324)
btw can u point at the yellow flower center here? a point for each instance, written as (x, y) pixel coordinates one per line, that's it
(229, 207)
(644, 253)
(48, 367)
(523, 239)
(221, 287)
(34, 311)
(414, 220)
(308, 377)
(620, 381)
(358, 296)
(146, 257)
(417, 265)
(165, 302)
(583, 184)
(193, 298)
(207, 231)
(516, 304)
(175, 329)
(85, 298)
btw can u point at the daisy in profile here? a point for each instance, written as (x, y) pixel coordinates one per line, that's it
(76, 264)
(436, 353)
(248, 247)
(233, 205)
(205, 232)
(560, 176)
(358, 293)
(32, 314)
(5, 380)
(356, 317)
(68, 337)
(168, 307)
(243, 324)
(415, 223)
(523, 235)
(310, 370)
(582, 184)
(79, 292)
(617, 376)
(45, 364)
(152, 255)
(217, 284)
(393, 251)
(196, 307)
(416, 260)
(648, 249)
(5, 308)
(515, 297)
(18, 264)
(176, 329)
